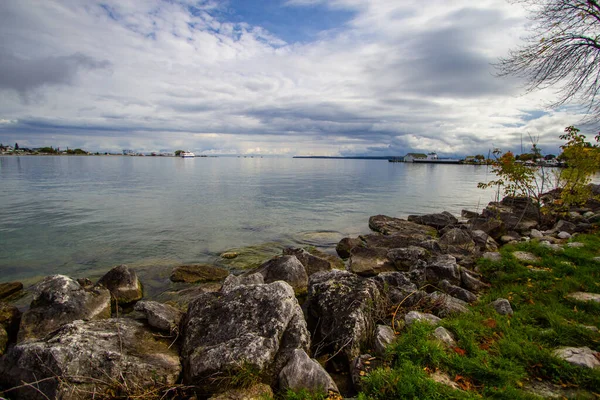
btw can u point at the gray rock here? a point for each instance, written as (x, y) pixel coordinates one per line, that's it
(469, 214)
(502, 306)
(160, 316)
(585, 297)
(457, 291)
(250, 326)
(406, 258)
(470, 282)
(399, 240)
(443, 267)
(413, 316)
(285, 268)
(438, 221)
(526, 257)
(346, 245)
(90, 357)
(563, 235)
(566, 226)
(302, 372)
(551, 246)
(580, 356)
(233, 281)
(397, 287)
(490, 225)
(7, 289)
(341, 309)
(458, 238)
(366, 261)
(535, 234)
(58, 300)
(444, 336)
(484, 241)
(312, 264)
(391, 226)
(198, 273)
(575, 245)
(492, 256)
(445, 305)
(384, 336)
(123, 284)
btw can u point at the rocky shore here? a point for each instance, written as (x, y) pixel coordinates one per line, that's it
(300, 321)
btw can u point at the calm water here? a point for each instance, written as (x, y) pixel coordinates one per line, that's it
(81, 215)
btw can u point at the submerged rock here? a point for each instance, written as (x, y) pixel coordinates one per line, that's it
(249, 328)
(58, 300)
(233, 281)
(407, 258)
(198, 273)
(123, 284)
(86, 359)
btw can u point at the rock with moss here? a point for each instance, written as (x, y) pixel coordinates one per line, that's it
(10, 317)
(8, 289)
(58, 300)
(368, 261)
(284, 268)
(123, 284)
(341, 309)
(249, 330)
(579, 356)
(94, 358)
(383, 337)
(415, 316)
(407, 258)
(198, 273)
(303, 373)
(233, 281)
(502, 306)
(312, 263)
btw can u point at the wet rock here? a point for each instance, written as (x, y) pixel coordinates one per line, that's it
(444, 336)
(10, 317)
(566, 226)
(390, 226)
(457, 292)
(229, 255)
(233, 281)
(438, 221)
(526, 257)
(250, 257)
(492, 256)
(443, 267)
(445, 305)
(198, 273)
(303, 373)
(259, 391)
(345, 246)
(285, 268)
(252, 326)
(458, 238)
(341, 309)
(123, 284)
(413, 316)
(483, 241)
(160, 316)
(470, 282)
(585, 297)
(384, 336)
(312, 264)
(58, 300)
(9, 288)
(406, 258)
(580, 356)
(502, 306)
(90, 357)
(366, 261)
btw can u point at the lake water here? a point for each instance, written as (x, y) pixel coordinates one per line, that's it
(82, 215)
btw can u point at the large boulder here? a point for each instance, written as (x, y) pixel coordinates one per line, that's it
(95, 358)
(303, 373)
(58, 300)
(312, 263)
(438, 220)
(10, 317)
(284, 268)
(160, 316)
(249, 328)
(123, 284)
(341, 309)
(198, 273)
(390, 226)
(368, 261)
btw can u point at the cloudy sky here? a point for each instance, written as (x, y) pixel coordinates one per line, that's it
(285, 77)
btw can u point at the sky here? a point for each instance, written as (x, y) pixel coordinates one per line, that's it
(269, 77)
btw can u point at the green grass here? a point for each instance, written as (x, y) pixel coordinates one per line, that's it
(497, 356)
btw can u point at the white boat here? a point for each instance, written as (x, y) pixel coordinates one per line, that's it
(187, 154)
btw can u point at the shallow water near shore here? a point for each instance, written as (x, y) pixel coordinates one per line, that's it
(80, 216)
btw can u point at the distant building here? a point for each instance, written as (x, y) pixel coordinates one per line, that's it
(128, 152)
(410, 157)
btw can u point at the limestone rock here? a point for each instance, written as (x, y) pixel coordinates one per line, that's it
(526, 257)
(287, 269)
(551, 246)
(406, 258)
(384, 336)
(229, 255)
(58, 300)
(457, 291)
(566, 226)
(345, 246)
(397, 287)
(580, 356)
(249, 326)
(312, 264)
(458, 238)
(7, 289)
(89, 357)
(366, 261)
(575, 245)
(502, 306)
(302, 372)
(438, 221)
(444, 336)
(470, 282)
(490, 225)
(484, 241)
(535, 234)
(198, 273)
(399, 240)
(160, 316)
(390, 226)
(583, 296)
(413, 316)
(443, 267)
(233, 281)
(123, 284)
(445, 305)
(341, 308)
